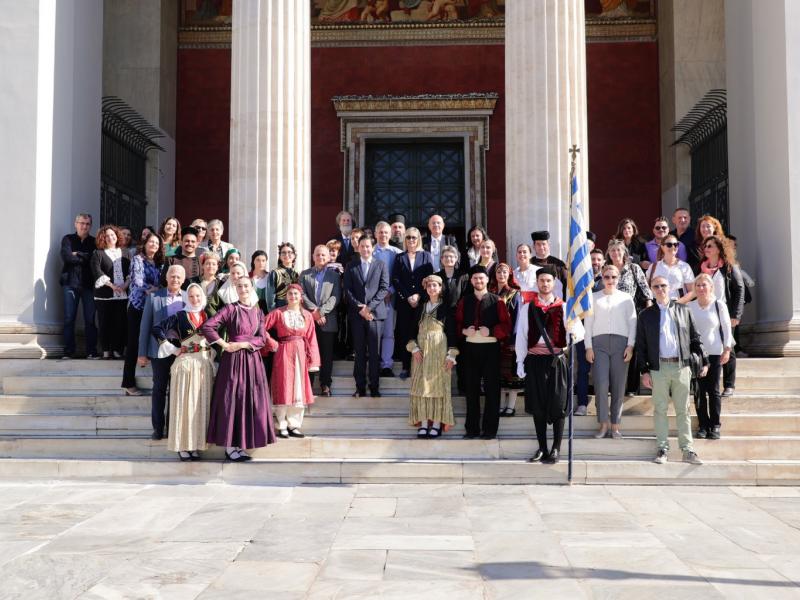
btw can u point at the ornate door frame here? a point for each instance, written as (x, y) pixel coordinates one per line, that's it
(453, 116)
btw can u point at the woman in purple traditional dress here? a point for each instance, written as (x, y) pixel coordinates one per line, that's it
(241, 410)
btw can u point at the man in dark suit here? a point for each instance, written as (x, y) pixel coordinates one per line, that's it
(78, 285)
(322, 292)
(344, 222)
(160, 305)
(366, 283)
(438, 240)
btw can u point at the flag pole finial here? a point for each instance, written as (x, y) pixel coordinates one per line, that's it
(574, 153)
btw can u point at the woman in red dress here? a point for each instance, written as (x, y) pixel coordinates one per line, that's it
(297, 355)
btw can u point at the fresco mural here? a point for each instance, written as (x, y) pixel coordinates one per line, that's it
(404, 11)
(206, 13)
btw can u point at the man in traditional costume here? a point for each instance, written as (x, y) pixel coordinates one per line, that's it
(541, 257)
(483, 322)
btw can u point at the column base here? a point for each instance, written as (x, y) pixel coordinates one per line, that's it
(23, 340)
(775, 338)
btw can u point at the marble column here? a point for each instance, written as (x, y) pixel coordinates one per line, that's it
(270, 128)
(763, 61)
(51, 58)
(545, 97)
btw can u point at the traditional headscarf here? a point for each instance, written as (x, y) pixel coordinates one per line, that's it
(433, 277)
(224, 268)
(227, 291)
(194, 309)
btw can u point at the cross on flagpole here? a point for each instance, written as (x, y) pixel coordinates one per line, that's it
(574, 153)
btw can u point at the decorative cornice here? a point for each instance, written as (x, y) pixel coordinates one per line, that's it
(442, 33)
(421, 102)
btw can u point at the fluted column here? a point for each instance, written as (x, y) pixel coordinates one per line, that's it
(545, 114)
(270, 127)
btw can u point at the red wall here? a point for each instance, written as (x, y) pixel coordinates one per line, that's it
(624, 148)
(202, 136)
(399, 71)
(623, 112)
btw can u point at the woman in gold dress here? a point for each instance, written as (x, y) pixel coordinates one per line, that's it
(433, 349)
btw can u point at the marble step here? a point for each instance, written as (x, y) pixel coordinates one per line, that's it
(403, 446)
(340, 471)
(377, 425)
(110, 402)
(107, 381)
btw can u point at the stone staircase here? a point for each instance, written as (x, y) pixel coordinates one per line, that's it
(69, 420)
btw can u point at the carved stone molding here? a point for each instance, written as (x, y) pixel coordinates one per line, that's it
(446, 116)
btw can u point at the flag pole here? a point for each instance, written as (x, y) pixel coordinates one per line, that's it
(571, 356)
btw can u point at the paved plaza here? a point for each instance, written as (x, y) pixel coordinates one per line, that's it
(97, 540)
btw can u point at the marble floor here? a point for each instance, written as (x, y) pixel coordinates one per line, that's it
(111, 540)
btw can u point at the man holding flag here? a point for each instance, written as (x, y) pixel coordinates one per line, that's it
(546, 326)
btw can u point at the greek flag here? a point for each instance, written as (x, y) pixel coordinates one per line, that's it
(580, 276)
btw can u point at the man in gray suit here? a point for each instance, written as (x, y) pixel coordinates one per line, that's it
(160, 305)
(322, 292)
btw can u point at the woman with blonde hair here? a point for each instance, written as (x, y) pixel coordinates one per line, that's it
(191, 375)
(713, 324)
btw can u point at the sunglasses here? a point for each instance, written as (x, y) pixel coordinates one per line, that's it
(670, 244)
(709, 246)
(660, 227)
(610, 277)
(659, 286)
(201, 227)
(412, 237)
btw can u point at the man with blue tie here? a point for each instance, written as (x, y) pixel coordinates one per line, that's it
(386, 253)
(366, 284)
(344, 222)
(438, 240)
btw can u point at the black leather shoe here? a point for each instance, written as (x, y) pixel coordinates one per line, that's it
(470, 436)
(156, 435)
(387, 372)
(422, 433)
(488, 437)
(359, 393)
(326, 391)
(551, 458)
(283, 435)
(701, 434)
(714, 434)
(296, 433)
(375, 393)
(536, 457)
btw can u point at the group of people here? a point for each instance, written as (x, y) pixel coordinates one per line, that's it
(235, 350)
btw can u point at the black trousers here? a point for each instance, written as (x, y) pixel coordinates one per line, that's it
(325, 341)
(402, 332)
(132, 347)
(113, 327)
(540, 425)
(366, 346)
(708, 401)
(482, 362)
(729, 368)
(161, 367)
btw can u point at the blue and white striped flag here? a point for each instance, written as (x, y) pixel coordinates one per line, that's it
(580, 277)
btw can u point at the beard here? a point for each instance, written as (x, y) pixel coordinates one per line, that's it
(345, 230)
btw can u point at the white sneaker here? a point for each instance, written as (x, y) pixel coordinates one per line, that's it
(580, 411)
(661, 457)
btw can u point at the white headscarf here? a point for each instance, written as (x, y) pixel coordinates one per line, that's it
(227, 291)
(190, 308)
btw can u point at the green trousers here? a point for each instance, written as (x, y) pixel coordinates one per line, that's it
(672, 381)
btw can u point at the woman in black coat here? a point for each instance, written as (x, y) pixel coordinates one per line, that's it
(110, 267)
(410, 268)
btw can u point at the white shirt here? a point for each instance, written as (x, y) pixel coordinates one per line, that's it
(613, 314)
(707, 323)
(521, 332)
(527, 278)
(718, 279)
(668, 334)
(678, 275)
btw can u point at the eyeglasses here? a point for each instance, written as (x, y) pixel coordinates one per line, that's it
(658, 286)
(610, 277)
(670, 244)
(286, 252)
(661, 228)
(412, 237)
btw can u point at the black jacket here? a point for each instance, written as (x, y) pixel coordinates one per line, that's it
(734, 291)
(76, 272)
(648, 330)
(102, 265)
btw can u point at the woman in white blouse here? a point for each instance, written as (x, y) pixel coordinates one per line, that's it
(525, 273)
(610, 337)
(713, 324)
(110, 268)
(677, 272)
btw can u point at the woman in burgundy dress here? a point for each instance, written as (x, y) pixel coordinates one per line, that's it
(241, 411)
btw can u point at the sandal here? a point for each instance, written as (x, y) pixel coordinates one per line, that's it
(435, 432)
(133, 391)
(422, 433)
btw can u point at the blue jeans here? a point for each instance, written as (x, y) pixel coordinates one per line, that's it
(73, 296)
